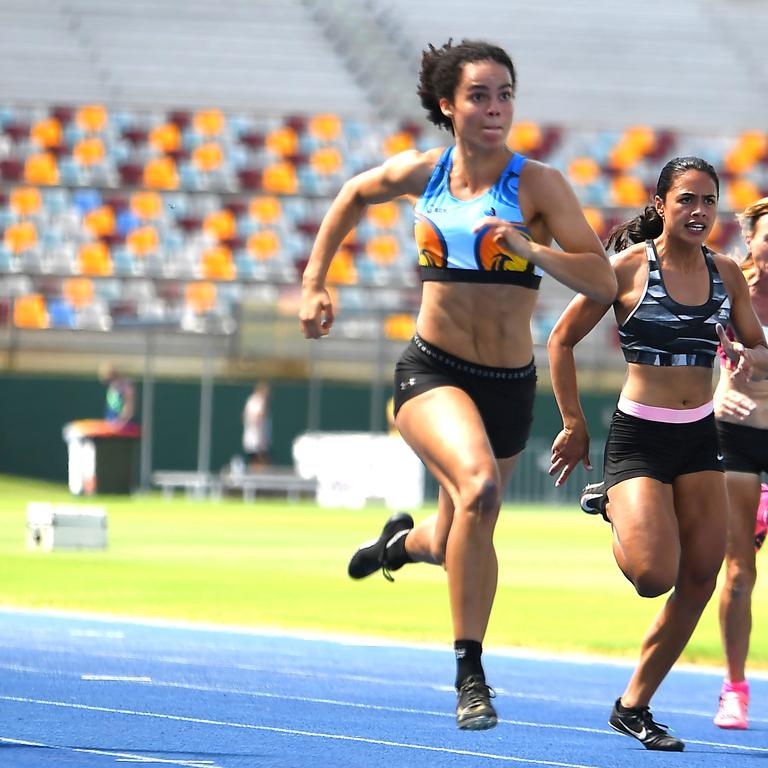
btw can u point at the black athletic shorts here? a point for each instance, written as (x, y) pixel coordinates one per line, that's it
(744, 449)
(503, 396)
(641, 448)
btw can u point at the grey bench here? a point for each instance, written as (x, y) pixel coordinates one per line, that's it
(269, 480)
(195, 484)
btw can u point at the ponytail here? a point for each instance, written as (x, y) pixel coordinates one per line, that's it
(647, 226)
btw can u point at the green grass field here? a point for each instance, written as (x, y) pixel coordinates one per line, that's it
(277, 564)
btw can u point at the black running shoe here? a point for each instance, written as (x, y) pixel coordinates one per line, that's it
(474, 711)
(593, 499)
(372, 555)
(639, 723)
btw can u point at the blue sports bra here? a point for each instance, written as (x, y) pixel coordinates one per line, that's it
(449, 250)
(660, 331)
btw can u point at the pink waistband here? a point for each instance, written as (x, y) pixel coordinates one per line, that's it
(667, 415)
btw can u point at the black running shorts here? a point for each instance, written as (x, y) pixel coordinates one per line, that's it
(640, 448)
(504, 396)
(744, 449)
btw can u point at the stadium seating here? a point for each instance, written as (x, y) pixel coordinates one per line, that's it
(185, 212)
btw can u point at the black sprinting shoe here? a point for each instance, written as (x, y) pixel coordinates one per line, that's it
(372, 555)
(639, 723)
(474, 711)
(593, 499)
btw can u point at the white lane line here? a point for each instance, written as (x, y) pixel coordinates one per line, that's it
(98, 633)
(356, 678)
(294, 732)
(361, 739)
(527, 696)
(122, 757)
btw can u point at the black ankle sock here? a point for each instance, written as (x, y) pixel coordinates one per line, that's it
(621, 708)
(395, 555)
(468, 653)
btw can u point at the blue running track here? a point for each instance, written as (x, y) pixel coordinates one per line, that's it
(85, 691)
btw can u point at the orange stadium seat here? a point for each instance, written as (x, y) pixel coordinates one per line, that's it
(756, 142)
(94, 259)
(208, 157)
(46, 133)
(91, 118)
(41, 168)
(200, 297)
(209, 122)
(217, 263)
(161, 173)
(100, 222)
(325, 128)
(750, 148)
(740, 193)
(264, 244)
(30, 311)
(25, 201)
(383, 249)
(342, 270)
(583, 170)
(282, 142)
(623, 157)
(266, 209)
(326, 161)
(636, 143)
(628, 191)
(78, 291)
(399, 327)
(525, 137)
(165, 138)
(220, 225)
(641, 138)
(596, 220)
(398, 142)
(146, 205)
(142, 240)
(89, 151)
(280, 179)
(20, 236)
(384, 215)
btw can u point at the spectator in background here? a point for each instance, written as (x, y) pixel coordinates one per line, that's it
(120, 396)
(486, 218)
(257, 431)
(741, 408)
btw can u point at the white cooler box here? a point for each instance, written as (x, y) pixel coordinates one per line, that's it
(65, 526)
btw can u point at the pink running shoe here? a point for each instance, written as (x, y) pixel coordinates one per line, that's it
(732, 713)
(761, 522)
